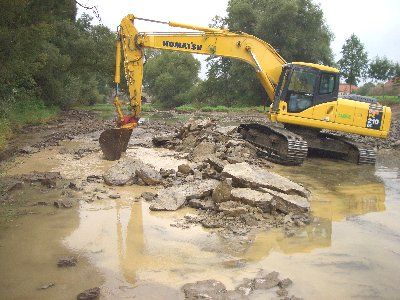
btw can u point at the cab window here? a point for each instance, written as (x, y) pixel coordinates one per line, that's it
(300, 92)
(327, 83)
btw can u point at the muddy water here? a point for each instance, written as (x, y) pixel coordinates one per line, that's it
(351, 249)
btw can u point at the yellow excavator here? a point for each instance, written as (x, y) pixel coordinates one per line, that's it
(305, 111)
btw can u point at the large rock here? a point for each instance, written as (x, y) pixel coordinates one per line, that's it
(244, 175)
(222, 191)
(122, 173)
(253, 198)
(127, 171)
(172, 198)
(203, 150)
(149, 175)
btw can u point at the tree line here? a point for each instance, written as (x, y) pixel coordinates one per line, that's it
(355, 66)
(49, 58)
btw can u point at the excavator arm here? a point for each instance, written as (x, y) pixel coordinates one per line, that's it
(202, 40)
(210, 41)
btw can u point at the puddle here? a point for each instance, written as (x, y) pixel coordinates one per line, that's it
(350, 250)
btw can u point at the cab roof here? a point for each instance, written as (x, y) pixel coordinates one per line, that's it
(316, 66)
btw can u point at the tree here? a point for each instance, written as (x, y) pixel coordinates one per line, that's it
(381, 69)
(366, 89)
(170, 76)
(354, 62)
(296, 28)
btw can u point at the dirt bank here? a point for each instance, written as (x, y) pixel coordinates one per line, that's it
(69, 124)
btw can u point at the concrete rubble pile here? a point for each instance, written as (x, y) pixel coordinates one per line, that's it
(222, 181)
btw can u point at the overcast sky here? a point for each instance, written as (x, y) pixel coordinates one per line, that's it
(376, 23)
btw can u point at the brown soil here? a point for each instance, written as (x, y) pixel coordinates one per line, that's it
(66, 126)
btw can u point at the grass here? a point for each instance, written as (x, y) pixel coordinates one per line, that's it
(15, 117)
(388, 100)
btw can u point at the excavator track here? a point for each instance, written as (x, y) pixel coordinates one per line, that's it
(334, 146)
(356, 153)
(275, 143)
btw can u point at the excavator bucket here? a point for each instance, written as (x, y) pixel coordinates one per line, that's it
(114, 141)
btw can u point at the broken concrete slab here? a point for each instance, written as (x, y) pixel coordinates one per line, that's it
(169, 199)
(173, 198)
(226, 130)
(245, 175)
(204, 204)
(253, 198)
(288, 203)
(217, 163)
(232, 208)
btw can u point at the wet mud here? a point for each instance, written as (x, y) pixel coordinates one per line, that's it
(56, 208)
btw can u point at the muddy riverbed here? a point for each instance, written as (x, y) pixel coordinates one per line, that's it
(350, 248)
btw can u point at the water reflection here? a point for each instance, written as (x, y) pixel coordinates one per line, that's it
(339, 190)
(131, 245)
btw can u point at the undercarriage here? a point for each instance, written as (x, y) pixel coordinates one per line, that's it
(290, 145)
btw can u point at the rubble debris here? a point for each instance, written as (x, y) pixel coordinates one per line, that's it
(63, 203)
(217, 163)
(204, 204)
(89, 294)
(222, 191)
(67, 262)
(46, 286)
(94, 179)
(172, 198)
(213, 289)
(267, 282)
(48, 179)
(29, 150)
(205, 289)
(185, 169)
(148, 196)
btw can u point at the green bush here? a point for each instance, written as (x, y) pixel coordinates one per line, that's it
(186, 108)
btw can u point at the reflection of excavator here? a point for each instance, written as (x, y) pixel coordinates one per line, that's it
(304, 95)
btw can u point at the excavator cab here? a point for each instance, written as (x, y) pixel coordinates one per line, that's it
(303, 85)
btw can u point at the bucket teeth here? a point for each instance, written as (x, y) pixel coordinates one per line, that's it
(114, 141)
